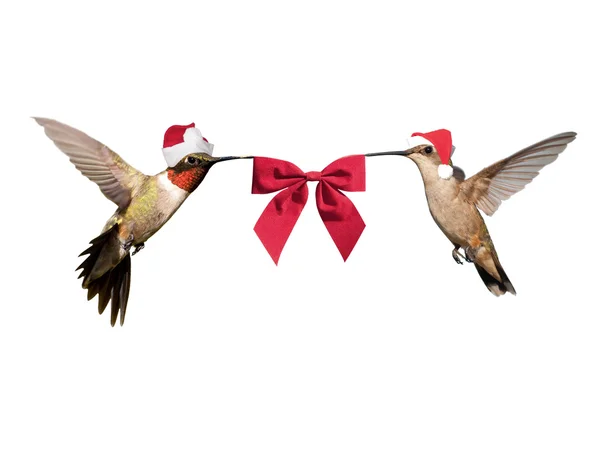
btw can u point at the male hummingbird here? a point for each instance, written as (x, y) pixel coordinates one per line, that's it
(454, 201)
(145, 203)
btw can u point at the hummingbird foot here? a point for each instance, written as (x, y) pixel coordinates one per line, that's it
(470, 254)
(127, 245)
(457, 256)
(138, 248)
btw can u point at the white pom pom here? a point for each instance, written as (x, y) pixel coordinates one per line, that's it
(445, 171)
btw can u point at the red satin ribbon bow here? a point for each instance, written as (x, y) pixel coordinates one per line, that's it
(339, 214)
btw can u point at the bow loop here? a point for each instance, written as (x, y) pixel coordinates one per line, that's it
(342, 220)
(271, 175)
(347, 173)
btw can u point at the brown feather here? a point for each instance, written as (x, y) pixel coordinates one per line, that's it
(498, 182)
(116, 179)
(112, 286)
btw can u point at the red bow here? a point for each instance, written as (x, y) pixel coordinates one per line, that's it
(339, 214)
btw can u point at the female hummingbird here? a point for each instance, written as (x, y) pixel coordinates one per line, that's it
(144, 203)
(454, 201)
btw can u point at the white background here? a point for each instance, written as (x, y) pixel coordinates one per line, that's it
(398, 348)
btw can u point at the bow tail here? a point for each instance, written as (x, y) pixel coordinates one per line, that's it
(277, 221)
(341, 218)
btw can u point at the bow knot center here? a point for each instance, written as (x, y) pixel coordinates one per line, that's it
(313, 176)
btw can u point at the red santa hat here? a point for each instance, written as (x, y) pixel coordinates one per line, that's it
(441, 140)
(183, 140)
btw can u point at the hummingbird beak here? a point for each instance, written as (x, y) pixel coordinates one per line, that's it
(214, 160)
(404, 153)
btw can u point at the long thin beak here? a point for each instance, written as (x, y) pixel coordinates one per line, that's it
(222, 159)
(375, 154)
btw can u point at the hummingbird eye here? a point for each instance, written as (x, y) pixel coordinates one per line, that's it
(192, 160)
(428, 150)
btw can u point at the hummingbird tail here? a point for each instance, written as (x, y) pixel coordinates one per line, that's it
(113, 284)
(496, 287)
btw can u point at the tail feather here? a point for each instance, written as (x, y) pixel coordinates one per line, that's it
(505, 281)
(119, 284)
(494, 286)
(113, 284)
(124, 288)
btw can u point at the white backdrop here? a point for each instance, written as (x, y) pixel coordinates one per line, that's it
(398, 348)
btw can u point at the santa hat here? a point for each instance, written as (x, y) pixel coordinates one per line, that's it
(441, 140)
(183, 140)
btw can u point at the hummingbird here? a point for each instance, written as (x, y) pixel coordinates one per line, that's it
(144, 203)
(455, 202)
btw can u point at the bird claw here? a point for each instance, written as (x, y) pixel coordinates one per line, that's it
(127, 245)
(470, 255)
(138, 248)
(456, 255)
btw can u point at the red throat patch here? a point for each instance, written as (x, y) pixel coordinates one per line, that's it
(187, 180)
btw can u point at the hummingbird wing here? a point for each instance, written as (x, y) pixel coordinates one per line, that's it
(96, 161)
(498, 182)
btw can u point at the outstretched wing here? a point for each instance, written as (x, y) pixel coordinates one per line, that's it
(498, 182)
(96, 161)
